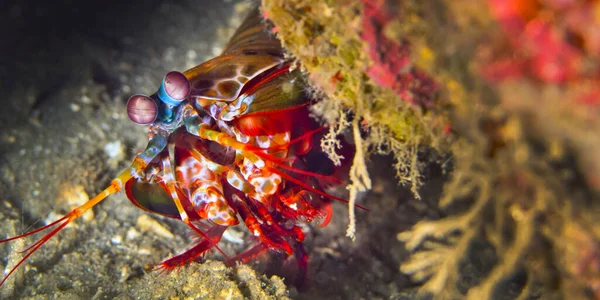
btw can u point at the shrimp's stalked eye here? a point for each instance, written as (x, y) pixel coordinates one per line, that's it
(142, 109)
(174, 88)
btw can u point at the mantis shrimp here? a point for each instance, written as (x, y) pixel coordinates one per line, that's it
(229, 142)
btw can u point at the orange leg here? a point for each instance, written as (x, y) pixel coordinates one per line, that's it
(155, 145)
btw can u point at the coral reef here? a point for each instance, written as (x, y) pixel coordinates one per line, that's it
(508, 91)
(391, 65)
(326, 38)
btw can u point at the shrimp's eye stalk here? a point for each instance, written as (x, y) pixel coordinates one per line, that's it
(174, 88)
(142, 109)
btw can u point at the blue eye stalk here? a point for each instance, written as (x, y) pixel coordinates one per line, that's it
(174, 88)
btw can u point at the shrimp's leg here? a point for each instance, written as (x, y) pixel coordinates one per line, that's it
(155, 145)
(239, 200)
(256, 155)
(170, 183)
(251, 253)
(270, 234)
(212, 237)
(195, 126)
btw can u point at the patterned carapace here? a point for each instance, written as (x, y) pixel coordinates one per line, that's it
(238, 131)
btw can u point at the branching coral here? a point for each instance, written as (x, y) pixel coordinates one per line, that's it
(518, 201)
(509, 199)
